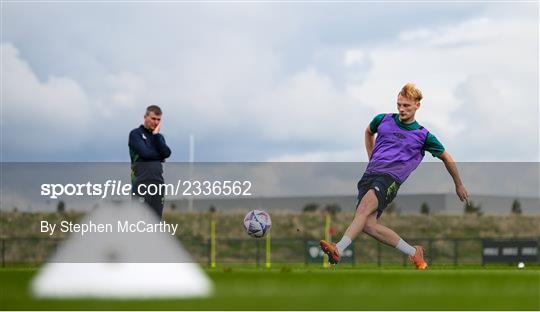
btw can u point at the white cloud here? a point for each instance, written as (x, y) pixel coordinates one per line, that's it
(322, 156)
(474, 75)
(126, 88)
(40, 116)
(353, 57)
(468, 32)
(308, 106)
(282, 76)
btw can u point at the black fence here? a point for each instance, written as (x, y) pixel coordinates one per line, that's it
(36, 250)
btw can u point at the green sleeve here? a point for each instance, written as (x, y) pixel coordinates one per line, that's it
(433, 145)
(374, 124)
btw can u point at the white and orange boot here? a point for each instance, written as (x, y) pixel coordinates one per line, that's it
(331, 250)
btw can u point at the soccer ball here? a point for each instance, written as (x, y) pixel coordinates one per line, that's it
(257, 223)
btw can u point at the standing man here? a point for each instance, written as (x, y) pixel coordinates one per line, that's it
(398, 149)
(148, 150)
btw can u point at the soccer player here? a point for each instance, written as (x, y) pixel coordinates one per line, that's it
(148, 150)
(398, 149)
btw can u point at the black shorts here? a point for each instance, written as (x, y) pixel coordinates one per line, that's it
(384, 185)
(153, 201)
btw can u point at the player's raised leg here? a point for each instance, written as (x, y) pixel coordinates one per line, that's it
(366, 207)
(387, 236)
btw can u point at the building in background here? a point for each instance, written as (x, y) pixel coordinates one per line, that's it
(447, 203)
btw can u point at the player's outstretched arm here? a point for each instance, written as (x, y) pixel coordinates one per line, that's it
(450, 165)
(370, 142)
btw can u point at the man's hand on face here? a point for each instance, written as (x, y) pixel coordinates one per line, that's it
(156, 129)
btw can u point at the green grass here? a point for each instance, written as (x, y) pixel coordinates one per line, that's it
(313, 288)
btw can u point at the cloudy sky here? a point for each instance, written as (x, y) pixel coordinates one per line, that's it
(265, 82)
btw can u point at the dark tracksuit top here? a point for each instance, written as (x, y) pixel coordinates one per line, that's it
(147, 152)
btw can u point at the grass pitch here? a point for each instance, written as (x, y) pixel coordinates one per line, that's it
(305, 288)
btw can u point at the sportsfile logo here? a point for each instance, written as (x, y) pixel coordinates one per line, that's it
(110, 187)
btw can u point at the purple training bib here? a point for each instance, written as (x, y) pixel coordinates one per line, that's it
(397, 152)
